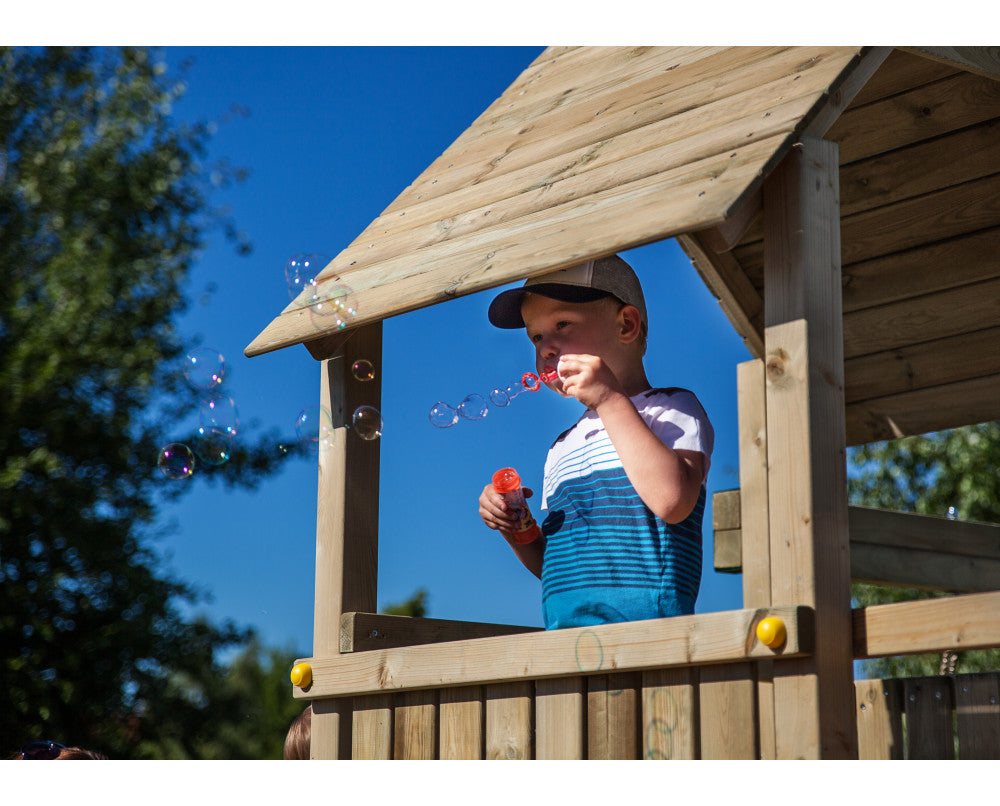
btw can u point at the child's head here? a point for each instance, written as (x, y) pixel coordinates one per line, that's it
(600, 303)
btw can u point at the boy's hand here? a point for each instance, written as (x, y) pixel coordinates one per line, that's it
(493, 510)
(588, 379)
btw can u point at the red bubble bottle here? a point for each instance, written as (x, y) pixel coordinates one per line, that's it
(508, 484)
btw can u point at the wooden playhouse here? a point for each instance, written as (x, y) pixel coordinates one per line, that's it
(843, 205)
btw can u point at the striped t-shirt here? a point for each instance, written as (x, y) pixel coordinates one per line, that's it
(608, 558)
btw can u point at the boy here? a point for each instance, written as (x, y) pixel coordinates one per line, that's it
(624, 488)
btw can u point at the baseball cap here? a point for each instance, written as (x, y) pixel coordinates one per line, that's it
(606, 276)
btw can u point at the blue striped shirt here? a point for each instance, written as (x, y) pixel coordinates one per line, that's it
(608, 558)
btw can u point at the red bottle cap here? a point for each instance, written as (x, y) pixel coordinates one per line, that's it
(506, 480)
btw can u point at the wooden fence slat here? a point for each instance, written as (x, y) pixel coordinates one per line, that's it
(415, 729)
(670, 714)
(560, 731)
(460, 723)
(333, 739)
(613, 722)
(977, 704)
(509, 720)
(372, 734)
(928, 704)
(880, 723)
(727, 703)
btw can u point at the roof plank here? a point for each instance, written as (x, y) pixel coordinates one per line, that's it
(606, 222)
(681, 145)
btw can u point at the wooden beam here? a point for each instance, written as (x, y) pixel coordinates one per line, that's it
(670, 722)
(923, 411)
(347, 514)
(807, 485)
(721, 637)
(984, 61)
(927, 625)
(752, 514)
(560, 719)
(460, 723)
(923, 365)
(893, 548)
(843, 92)
(737, 297)
(726, 235)
(361, 632)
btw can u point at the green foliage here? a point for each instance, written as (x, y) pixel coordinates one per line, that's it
(952, 471)
(103, 207)
(242, 711)
(415, 606)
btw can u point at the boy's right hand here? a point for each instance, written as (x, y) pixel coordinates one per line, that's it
(493, 510)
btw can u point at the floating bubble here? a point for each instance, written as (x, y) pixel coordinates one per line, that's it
(331, 304)
(530, 382)
(499, 397)
(213, 445)
(204, 368)
(367, 421)
(219, 413)
(473, 407)
(442, 415)
(176, 461)
(314, 428)
(301, 270)
(514, 389)
(363, 369)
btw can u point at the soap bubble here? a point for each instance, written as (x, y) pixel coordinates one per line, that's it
(367, 422)
(219, 413)
(514, 389)
(531, 382)
(442, 415)
(314, 427)
(331, 304)
(301, 270)
(213, 445)
(204, 368)
(363, 369)
(176, 461)
(473, 407)
(499, 397)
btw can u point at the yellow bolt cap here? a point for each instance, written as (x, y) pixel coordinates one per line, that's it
(302, 675)
(771, 632)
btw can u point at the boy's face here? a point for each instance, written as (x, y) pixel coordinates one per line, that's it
(582, 328)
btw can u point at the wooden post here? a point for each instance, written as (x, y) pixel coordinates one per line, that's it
(755, 531)
(346, 520)
(807, 488)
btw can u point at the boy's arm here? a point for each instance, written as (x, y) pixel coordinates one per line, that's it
(668, 481)
(493, 511)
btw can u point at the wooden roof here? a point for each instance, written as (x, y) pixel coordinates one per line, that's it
(596, 150)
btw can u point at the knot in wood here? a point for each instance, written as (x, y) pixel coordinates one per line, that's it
(775, 367)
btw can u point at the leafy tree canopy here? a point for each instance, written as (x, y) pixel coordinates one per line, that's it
(104, 204)
(950, 473)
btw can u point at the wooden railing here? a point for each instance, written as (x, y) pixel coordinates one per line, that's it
(693, 687)
(638, 690)
(943, 717)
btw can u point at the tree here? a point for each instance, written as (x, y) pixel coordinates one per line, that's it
(947, 472)
(242, 712)
(415, 606)
(104, 204)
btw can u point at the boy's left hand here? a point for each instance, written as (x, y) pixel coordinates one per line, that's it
(588, 378)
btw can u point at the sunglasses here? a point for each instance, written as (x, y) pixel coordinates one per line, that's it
(45, 750)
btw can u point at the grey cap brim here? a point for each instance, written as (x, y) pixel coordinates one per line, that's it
(505, 310)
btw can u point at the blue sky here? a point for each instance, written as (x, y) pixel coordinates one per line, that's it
(331, 136)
